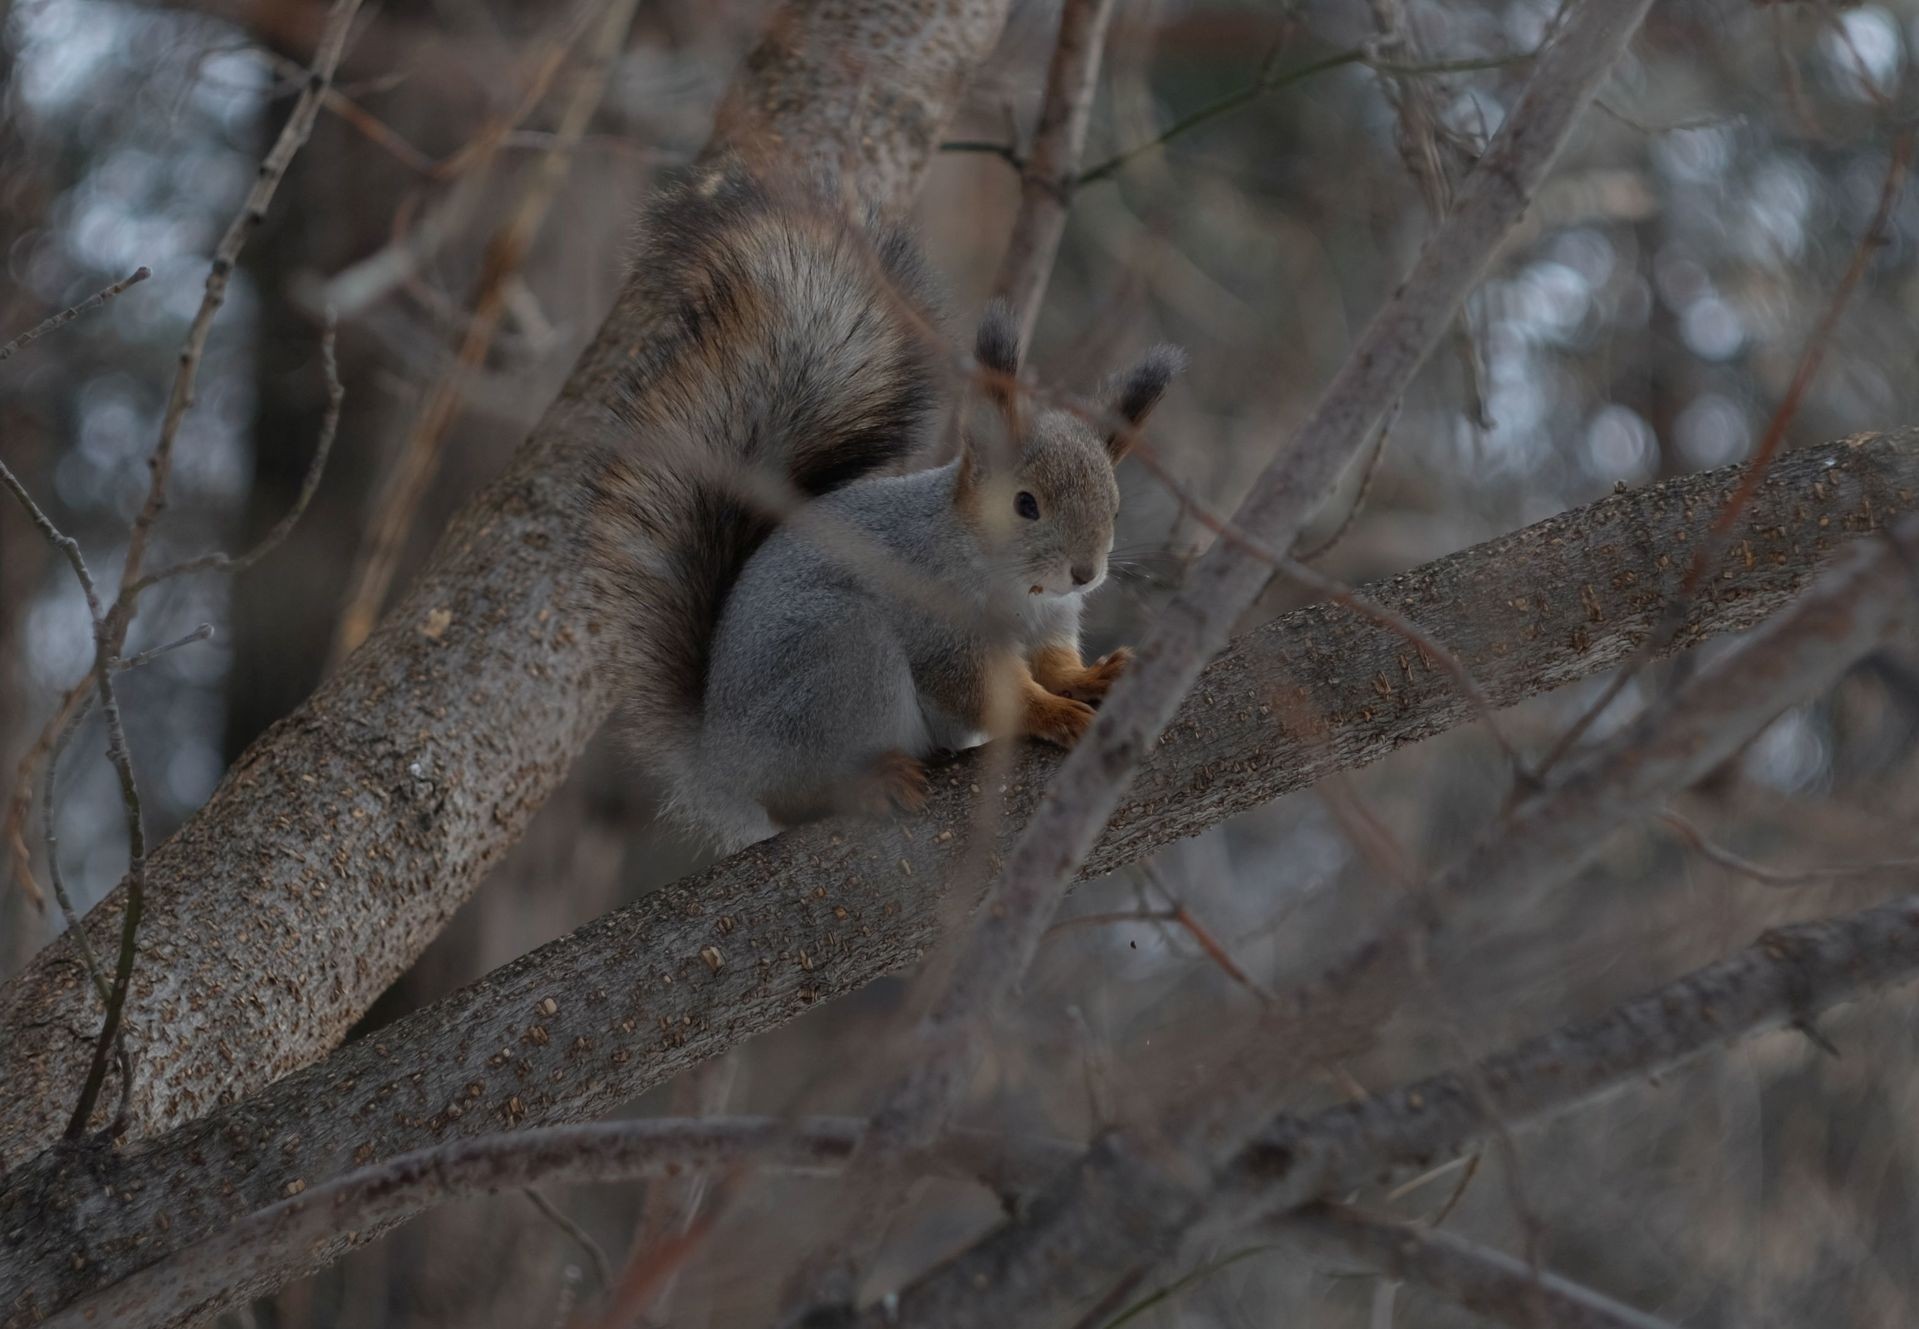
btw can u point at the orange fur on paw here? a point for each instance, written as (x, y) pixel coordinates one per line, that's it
(1097, 679)
(899, 782)
(1056, 719)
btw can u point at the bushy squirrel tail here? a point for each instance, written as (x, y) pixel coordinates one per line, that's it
(797, 354)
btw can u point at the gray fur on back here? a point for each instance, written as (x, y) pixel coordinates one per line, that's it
(859, 629)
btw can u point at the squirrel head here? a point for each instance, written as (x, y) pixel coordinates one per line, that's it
(1039, 486)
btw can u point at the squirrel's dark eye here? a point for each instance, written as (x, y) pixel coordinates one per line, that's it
(1027, 506)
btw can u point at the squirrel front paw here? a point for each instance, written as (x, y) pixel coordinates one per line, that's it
(1057, 720)
(1094, 681)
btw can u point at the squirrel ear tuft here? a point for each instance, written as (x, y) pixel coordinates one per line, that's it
(1136, 392)
(997, 345)
(996, 351)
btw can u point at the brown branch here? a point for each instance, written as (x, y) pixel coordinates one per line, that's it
(106, 663)
(1086, 791)
(1079, 1223)
(251, 1254)
(1788, 977)
(419, 458)
(350, 832)
(628, 1001)
(1048, 175)
(1271, 79)
(1768, 876)
(1487, 1282)
(72, 312)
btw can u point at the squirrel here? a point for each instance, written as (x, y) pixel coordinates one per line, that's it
(785, 671)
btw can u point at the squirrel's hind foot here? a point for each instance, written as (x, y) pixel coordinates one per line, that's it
(897, 783)
(1058, 720)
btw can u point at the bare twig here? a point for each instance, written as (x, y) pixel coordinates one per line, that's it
(309, 485)
(1272, 79)
(1047, 176)
(1706, 552)
(1332, 538)
(1214, 949)
(1769, 876)
(72, 312)
(419, 457)
(1195, 625)
(1788, 977)
(579, 1236)
(672, 1204)
(70, 703)
(105, 665)
(1488, 1282)
(20, 800)
(293, 136)
(1421, 140)
(203, 1276)
(75, 697)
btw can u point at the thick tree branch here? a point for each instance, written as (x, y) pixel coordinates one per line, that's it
(342, 841)
(585, 1023)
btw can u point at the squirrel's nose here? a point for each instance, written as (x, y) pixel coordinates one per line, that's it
(1082, 575)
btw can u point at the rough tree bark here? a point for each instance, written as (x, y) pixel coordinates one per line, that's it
(341, 842)
(586, 1022)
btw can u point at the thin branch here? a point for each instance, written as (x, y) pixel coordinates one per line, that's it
(1087, 788)
(579, 1236)
(1549, 839)
(1706, 552)
(49, 828)
(1332, 538)
(72, 312)
(1759, 872)
(105, 666)
(293, 136)
(1786, 978)
(419, 457)
(1421, 140)
(75, 697)
(1487, 1282)
(1272, 79)
(198, 1278)
(64, 714)
(1047, 176)
(20, 801)
(309, 485)
(671, 1205)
